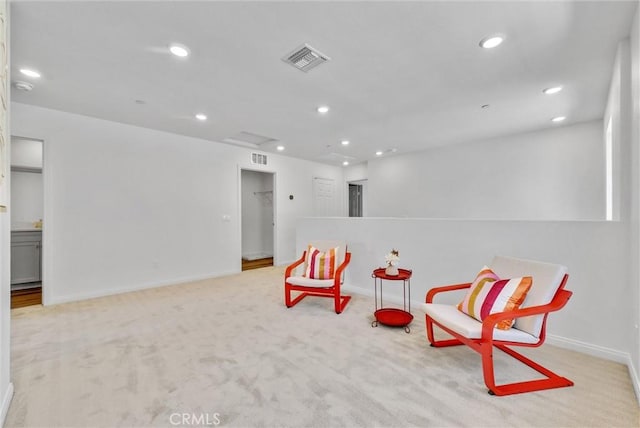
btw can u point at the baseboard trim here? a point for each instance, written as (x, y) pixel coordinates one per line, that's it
(635, 380)
(600, 352)
(6, 402)
(589, 349)
(102, 293)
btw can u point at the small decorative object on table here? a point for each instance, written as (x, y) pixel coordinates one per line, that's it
(392, 263)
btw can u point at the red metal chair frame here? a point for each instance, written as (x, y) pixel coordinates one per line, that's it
(484, 345)
(340, 301)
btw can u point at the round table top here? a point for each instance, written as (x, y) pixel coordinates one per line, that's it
(403, 274)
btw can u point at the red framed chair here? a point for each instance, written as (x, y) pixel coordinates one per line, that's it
(298, 282)
(547, 294)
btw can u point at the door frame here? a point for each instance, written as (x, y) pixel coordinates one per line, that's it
(362, 183)
(273, 174)
(46, 256)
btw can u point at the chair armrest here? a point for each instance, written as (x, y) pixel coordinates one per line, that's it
(337, 276)
(559, 301)
(295, 264)
(431, 294)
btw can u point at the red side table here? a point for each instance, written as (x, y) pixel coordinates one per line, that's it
(392, 316)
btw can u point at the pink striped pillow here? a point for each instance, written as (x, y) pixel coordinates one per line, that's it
(320, 265)
(489, 294)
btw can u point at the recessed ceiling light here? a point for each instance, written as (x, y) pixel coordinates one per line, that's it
(345, 163)
(179, 50)
(553, 90)
(280, 148)
(558, 119)
(323, 109)
(379, 153)
(30, 73)
(344, 142)
(201, 116)
(491, 42)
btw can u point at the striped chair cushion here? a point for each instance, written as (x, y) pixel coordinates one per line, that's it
(320, 265)
(489, 294)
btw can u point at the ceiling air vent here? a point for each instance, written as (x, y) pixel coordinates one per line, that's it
(258, 159)
(305, 58)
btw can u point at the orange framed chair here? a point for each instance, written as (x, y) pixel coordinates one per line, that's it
(546, 295)
(298, 282)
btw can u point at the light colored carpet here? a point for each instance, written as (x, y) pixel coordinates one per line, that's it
(227, 350)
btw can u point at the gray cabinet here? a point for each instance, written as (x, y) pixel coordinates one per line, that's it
(25, 256)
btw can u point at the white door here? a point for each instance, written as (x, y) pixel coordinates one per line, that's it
(325, 202)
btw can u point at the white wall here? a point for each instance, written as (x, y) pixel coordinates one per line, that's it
(561, 168)
(6, 387)
(27, 197)
(294, 196)
(257, 213)
(129, 207)
(441, 252)
(617, 111)
(356, 172)
(26, 153)
(622, 109)
(634, 118)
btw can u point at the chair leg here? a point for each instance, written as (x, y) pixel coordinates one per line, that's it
(552, 380)
(287, 296)
(438, 343)
(340, 302)
(288, 301)
(429, 325)
(298, 298)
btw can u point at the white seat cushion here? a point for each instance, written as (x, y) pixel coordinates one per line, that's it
(306, 282)
(450, 317)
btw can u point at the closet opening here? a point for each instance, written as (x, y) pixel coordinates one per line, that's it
(258, 218)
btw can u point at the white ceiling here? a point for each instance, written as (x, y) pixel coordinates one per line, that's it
(402, 75)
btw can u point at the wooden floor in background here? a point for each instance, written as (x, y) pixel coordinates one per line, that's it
(26, 297)
(256, 264)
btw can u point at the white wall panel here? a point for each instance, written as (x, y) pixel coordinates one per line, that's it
(556, 174)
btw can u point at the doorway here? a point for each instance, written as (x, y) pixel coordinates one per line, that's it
(356, 193)
(27, 213)
(258, 218)
(355, 200)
